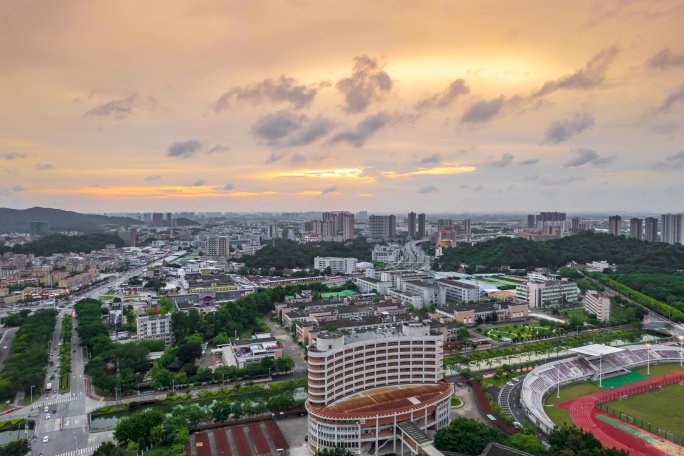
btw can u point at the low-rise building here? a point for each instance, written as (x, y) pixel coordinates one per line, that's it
(547, 293)
(155, 327)
(456, 292)
(242, 352)
(336, 264)
(598, 304)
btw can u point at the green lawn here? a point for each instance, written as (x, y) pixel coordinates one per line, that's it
(661, 407)
(159, 450)
(578, 314)
(65, 383)
(660, 369)
(456, 402)
(560, 416)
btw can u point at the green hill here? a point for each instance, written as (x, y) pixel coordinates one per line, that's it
(631, 255)
(17, 221)
(290, 254)
(59, 243)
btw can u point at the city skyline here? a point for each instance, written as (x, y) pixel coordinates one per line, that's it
(377, 106)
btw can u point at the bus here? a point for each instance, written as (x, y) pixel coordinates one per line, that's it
(49, 387)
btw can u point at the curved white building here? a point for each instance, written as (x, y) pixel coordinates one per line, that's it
(367, 388)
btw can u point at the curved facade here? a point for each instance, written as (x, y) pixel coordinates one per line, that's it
(362, 385)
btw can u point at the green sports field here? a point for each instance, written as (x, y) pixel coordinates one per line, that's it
(661, 407)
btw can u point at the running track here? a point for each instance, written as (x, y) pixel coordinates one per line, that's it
(583, 413)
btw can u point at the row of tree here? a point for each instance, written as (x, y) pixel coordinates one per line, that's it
(26, 364)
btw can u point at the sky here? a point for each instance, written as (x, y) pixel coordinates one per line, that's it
(377, 105)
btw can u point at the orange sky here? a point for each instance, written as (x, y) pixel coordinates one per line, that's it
(357, 105)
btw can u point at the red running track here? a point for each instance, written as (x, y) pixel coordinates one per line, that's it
(583, 413)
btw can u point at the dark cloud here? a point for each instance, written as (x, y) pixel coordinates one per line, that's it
(119, 108)
(199, 183)
(330, 189)
(228, 187)
(505, 160)
(675, 97)
(366, 128)
(587, 157)
(666, 59)
(444, 99)
(298, 158)
(281, 90)
(369, 83)
(44, 166)
(428, 189)
(432, 159)
(562, 130)
(17, 188)
(531, 161)
(218, 148)
(184, 149)
(13, 155)
(672, 162)
(284, 129)
(275, 156)
(152, 178)
(483, 110)
(592, 75)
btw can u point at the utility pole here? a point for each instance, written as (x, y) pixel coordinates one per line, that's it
(118, 382)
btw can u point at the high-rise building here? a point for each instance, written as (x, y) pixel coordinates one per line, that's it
(157, 219)
(421, 226)
(550, 217)
(169, 219)
(39, 228)
(412, 225)
(128, 236)
(382, 227)
(575, 224)
(466, 228)
(531, 221)
(332, 218)
(615, 225)
(672, 228)
(346, 225)
(651, 229)
(443, 223)
(218, 246)
(636, 228)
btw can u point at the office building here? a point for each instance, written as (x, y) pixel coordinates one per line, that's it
(412, 225)
(672, 228)
(370, 389)
(421, 226)
(531, 221)
(336, 264)
(547, 293)
(155, 327)
(39, 228)
(615, 225)
(453, 291)
(598, 304)
(157, 219)
(636, 228)
(382, 227)
(651, 229)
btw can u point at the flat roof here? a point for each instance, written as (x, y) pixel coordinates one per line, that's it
(596, 350)
(388, 398)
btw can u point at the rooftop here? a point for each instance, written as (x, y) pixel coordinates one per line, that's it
(595, 350)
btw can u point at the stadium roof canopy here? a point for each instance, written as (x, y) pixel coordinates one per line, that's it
(595, 350)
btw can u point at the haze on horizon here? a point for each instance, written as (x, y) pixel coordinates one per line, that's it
(281, 105)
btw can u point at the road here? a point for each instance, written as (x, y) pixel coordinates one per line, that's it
(6, 341)
(413, 256)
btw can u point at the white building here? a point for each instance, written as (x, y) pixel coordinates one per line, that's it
(368, 284)
(155, 327)
(597, 304)
(336, 264)
(386, 253)
(549, 293)
(456, 292)
(672, 228)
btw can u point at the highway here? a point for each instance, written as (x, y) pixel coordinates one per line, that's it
(413, 256)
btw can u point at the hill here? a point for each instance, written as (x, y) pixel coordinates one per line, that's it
(290, 254)
(182, 221)
(17, 221)
(59, 243)
(631, 255)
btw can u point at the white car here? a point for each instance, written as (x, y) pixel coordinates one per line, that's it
(45, 439)
(46, 409)
(47, 417)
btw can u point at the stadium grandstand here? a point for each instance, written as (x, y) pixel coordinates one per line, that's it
(593, 362)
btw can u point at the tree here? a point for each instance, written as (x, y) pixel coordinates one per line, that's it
(13, 319)
(528, 444)
(463, 334)
(572, 440)
(339, 451)
(285, 363)
(108, 449)
(15, 448)
(137, 426)
(189, 352)
(468, 436)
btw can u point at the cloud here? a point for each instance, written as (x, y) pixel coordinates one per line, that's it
(505, 160)
(665, 59)
(199, 183)
(428, 189)
(275, 156)
(17, 188)
(119, 109)
(363, 130)
(282, 90)
(218, 148)
(13, 155)
(559, 180)
(444, 99)
(228, 187)
(592, 75)
(483, 110)
(435, 158)
(368, 83)
(44, 166)
(562, 130)
(184, 149)
(676, 96)
(152, 178)
(330, 189)
(532, 178)
(531, 161)
(284, 129)
(665, 129)
(587, 157)
(671, 162)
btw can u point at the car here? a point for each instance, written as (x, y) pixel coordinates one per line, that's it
(54, 410)
(47, 417)
(46, 409)
(45, 439)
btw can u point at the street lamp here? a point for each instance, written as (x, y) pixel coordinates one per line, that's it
(600, 371)
(648, 352)
(32, 386)
(559, 379)
(680, 350)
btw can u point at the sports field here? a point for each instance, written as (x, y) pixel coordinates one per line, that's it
(622, 380)
(662, 408)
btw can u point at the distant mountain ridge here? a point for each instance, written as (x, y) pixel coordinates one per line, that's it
(17, 220)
